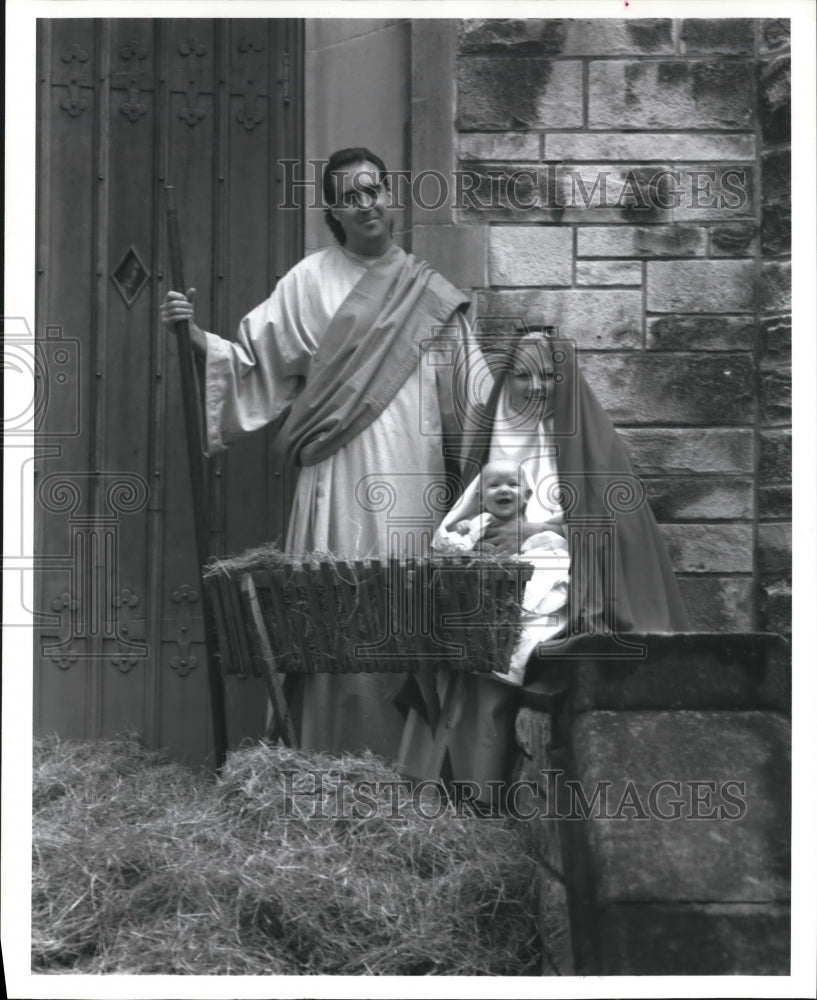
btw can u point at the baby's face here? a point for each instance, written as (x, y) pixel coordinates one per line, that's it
(504, 491)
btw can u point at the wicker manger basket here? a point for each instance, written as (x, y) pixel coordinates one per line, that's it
(323, 615)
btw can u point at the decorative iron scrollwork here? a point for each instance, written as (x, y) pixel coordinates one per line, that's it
(133, 52)
(132, 49)
(66, 658)
(65, 653)
(252, 113)
(64, 602)
(184, 662)
(248, 44)
(124, 664)
(74, 103)
(124, 602)
(192, 114)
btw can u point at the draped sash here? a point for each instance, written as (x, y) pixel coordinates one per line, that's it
(370, 348)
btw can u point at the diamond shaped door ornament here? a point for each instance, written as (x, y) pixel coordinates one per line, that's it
(130, 276)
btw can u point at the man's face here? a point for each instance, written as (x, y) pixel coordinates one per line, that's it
(363, 208)
(504, 491)
(530, 379)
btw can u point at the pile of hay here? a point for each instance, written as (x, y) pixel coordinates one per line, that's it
(142, 865)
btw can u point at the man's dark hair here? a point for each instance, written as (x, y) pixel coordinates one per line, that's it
(339, 159)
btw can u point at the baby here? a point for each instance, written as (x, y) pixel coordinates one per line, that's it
(504, 491)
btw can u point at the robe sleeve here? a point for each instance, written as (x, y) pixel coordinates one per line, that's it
(251, 381)
(463, 389)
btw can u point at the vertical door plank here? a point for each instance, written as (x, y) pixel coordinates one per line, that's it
(189, 65)
(157, 397)
(127, 279)
(64, 320)
(248, 181)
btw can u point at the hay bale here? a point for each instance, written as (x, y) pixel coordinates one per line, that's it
(279, 866)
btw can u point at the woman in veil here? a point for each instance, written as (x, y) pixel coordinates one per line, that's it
(542, 414)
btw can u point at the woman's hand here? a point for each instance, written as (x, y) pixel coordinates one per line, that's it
(179, 308)
(509, 536)
(504, 536)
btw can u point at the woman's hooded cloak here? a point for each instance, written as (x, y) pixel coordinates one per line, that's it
(621, 579)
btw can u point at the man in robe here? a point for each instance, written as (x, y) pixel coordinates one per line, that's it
(374, 431)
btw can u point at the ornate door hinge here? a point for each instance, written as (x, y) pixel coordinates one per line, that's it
(285, 80)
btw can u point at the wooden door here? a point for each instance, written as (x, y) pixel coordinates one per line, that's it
(126, 107)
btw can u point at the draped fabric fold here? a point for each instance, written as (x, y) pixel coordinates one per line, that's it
(370, 348)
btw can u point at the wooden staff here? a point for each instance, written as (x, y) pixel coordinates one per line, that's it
(198, 484)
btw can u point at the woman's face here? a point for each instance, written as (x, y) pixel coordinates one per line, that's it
(530, 379)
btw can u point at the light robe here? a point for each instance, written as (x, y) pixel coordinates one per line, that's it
(382, 493)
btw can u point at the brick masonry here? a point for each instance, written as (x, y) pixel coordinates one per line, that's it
(634, 180)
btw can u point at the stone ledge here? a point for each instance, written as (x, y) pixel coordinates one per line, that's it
(689, 671)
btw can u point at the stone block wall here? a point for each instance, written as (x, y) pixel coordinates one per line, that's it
(628, 182)
(774, 334)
